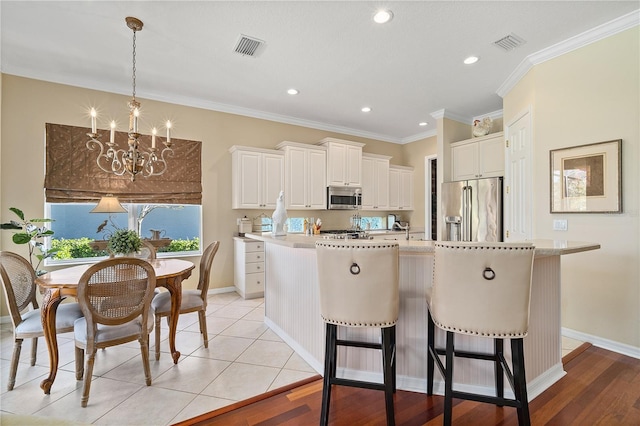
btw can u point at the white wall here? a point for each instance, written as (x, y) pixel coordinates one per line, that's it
(591, 95)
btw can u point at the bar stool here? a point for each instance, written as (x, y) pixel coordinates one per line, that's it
(359, 287)
(481, 289)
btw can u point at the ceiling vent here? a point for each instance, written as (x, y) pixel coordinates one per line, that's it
(248, 46)
(509, 42)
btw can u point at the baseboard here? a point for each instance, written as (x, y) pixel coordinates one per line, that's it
(221, 290)
(600, 342)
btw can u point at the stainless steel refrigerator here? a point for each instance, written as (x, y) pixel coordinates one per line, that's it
(472, 210)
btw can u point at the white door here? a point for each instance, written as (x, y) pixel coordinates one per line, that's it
(518, 185)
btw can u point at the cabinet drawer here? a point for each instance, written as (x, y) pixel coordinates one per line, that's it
(252, 257)
(254, 267)
(253, 247)
(255, 282)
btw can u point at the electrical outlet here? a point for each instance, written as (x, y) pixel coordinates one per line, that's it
(560, 225)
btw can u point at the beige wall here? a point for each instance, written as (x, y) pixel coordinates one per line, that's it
(586, 96)
(28, 104)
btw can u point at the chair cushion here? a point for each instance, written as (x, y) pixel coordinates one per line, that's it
(161, 303)
(107, 333)
(66, 315)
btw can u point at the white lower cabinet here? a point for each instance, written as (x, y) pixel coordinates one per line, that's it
(248, 267)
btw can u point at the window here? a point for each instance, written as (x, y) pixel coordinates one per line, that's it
(79, 234)
(296, 224)
(373, 222)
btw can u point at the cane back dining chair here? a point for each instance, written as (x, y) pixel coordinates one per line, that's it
(19, 283)
(115, 297)
(359, 288)
(192, 300)
(483, 290)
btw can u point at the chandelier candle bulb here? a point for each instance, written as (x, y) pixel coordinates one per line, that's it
(93, 120)
(153, 137)
(168, 131)
(136, 113)
(113, 132)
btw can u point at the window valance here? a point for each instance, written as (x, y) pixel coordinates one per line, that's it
(72, 174)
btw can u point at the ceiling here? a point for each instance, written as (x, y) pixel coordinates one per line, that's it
(332, 52)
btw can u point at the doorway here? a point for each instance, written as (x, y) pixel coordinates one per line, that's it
(431, 197)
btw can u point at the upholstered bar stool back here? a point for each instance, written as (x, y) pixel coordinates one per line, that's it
(482, 289)
(359, 287)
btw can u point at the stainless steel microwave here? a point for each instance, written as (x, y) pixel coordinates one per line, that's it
(344, 198)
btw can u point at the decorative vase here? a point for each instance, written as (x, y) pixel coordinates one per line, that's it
(279, 217)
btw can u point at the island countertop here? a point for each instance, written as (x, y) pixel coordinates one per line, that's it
(543, 247)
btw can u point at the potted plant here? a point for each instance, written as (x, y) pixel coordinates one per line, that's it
(124, 241)
(33, 235)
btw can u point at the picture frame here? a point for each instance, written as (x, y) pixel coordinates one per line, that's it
(587, 178)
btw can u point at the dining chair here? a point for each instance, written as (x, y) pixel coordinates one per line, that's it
(481, 290)
(115, 297)
(192, 300)
(19, 284)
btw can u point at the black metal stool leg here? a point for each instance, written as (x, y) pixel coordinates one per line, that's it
(431, 329)
(498, 350)
(394, 356)
(448, 381)
(329, 371)
(388, 373)
(520, 383)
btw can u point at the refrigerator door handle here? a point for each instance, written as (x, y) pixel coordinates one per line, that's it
(466, 221)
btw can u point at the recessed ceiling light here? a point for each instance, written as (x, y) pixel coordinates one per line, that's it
(422, 123)
(471, 60)
(366, 109)
(383, 16)
(293, 91)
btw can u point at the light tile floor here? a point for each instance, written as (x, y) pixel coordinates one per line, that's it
(569, 344)
(244, 358)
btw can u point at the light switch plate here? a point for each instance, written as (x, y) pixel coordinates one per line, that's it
(560, 225)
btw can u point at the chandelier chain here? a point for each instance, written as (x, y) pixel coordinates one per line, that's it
(134, 65)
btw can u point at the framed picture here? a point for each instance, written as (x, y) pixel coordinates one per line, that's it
(587, 178)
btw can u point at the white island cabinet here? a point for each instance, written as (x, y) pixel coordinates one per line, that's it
(292, 311)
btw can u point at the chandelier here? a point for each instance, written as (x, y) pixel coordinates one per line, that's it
(133, 160)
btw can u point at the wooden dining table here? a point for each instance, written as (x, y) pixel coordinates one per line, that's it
(63, 283)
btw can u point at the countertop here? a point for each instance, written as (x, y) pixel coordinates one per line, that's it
(543, 247)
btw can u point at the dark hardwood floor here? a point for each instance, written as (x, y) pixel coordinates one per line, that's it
(600, 388)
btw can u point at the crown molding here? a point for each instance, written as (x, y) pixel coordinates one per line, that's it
(600, 32)
(442, 113)
(418, 137)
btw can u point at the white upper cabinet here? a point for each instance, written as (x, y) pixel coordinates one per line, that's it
(257, 177)
(478, 158)
(375, 182)
(344, 162)
(305, 168)
(400, 188)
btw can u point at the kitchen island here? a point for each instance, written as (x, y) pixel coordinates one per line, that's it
(292, 311)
